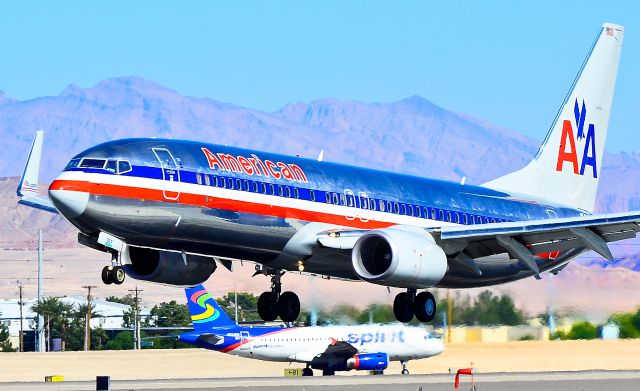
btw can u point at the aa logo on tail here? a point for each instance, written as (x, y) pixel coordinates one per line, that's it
(570, 141)
(209, 314)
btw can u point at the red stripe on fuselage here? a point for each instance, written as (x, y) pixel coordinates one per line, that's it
(142, 193)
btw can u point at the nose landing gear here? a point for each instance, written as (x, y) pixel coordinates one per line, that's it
(113, 274)
(272, 304)
(407, 304)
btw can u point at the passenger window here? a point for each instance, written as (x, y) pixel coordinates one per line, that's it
(296, 193)
(343, 199)
(207, 180)
(465, 219)
(238, 184)
(410, 210)
(335, 198)
(199, 179)
(111, 165)
(404, 209)
(272, 189)
(246, 185)
(313, 195)
(263, 188)
(449, 216)
(288, 191)
(92, 163)
(396, 207)
(457, 217)
(381, 205)
(372, 204)
(230, 183)
(222, 183)
(350, 200)
(280, 191)
(327, 197)
(441, 215)
(123, 166)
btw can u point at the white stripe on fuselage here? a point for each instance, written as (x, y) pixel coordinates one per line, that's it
(246, 196)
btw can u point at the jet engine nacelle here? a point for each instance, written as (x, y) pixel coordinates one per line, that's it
(368, 362)
(166, 267)
(400, 257)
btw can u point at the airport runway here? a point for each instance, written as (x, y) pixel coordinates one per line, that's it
(586, 381)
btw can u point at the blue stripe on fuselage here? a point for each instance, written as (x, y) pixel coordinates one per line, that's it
(436, 196)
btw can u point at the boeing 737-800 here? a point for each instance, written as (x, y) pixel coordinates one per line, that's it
(328, 348)
(170, 210)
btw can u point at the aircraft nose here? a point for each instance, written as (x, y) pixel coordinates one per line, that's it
(438, 346)
(70, 201)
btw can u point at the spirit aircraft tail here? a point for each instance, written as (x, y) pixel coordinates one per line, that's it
(205, 312)
(566, 169)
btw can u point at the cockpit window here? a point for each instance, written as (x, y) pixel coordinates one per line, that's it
(111, 165)
(123, 166)
(73, 163)
(92, 163)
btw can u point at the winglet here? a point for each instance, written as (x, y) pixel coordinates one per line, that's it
(29, 180)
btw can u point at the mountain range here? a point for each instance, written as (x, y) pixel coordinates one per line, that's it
(413, 136)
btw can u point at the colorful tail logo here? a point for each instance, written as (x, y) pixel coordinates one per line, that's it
(209, 314)
(569, 140)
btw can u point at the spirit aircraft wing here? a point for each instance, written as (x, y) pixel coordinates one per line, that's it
(337, 350)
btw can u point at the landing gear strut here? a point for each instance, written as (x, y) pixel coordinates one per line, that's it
(407, 304)
(113, 274)
(273, 303)
(405, 371)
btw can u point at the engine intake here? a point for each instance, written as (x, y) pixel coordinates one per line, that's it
(399, 257)
(166, 267)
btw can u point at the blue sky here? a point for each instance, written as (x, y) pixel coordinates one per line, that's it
(508, 62)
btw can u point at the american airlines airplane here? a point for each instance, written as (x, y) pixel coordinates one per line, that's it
(170, 211)
(330, 348)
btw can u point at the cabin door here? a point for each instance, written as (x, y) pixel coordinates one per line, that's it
(244, 340)
(170, 174)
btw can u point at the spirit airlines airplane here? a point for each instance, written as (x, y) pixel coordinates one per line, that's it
(330, 349)
(169, 211)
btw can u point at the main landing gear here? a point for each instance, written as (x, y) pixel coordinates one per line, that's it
(273, 303)
(405, 371)
(407, 304)
(113, 274)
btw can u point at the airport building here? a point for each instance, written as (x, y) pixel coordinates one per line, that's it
(110, 315)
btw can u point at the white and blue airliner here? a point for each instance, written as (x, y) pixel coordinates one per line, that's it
(170, 211)
(327, 348)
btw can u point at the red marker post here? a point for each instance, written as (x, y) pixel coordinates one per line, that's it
(464, 371)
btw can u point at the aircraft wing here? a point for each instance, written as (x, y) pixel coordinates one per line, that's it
(39, 202)
(337, 351)
(28, 187)
(524, 240)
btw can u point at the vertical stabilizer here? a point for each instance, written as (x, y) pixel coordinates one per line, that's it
(29, 180)
(205, 312)
(566, 169)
